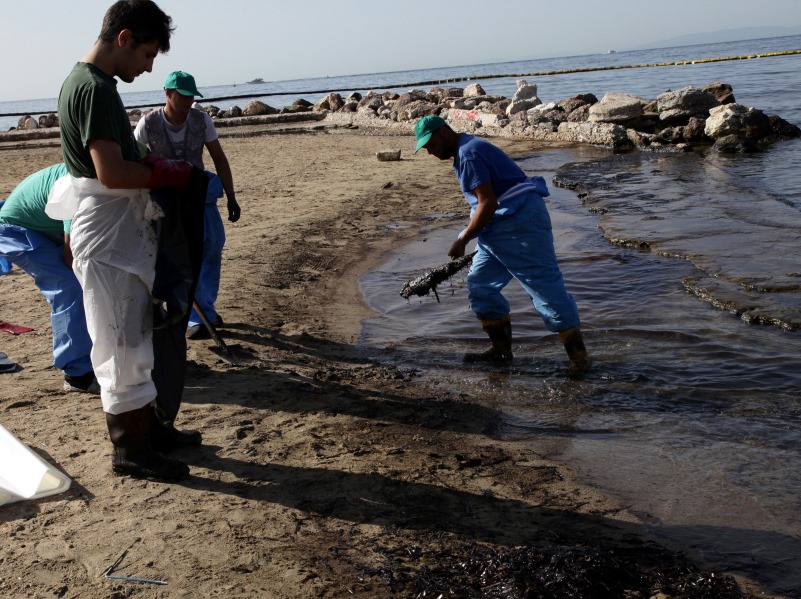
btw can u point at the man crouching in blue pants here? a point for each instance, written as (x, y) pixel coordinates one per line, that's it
(39, 245)
(510, 219)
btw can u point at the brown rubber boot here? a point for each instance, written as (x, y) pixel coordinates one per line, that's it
(574, 346)
(133, 454)
(500, 334)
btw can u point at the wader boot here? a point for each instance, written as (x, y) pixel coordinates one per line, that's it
(164, 437)
(500, 334)
(133, 454)
(574, 346)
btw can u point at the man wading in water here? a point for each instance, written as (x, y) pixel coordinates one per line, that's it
(511, 222)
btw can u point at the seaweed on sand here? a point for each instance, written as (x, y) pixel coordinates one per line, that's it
(428, 281)
(480, 571)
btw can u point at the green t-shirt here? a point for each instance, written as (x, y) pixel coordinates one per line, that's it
(25, 207)
(89, 107)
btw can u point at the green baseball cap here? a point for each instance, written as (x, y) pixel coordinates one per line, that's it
(183, 83)
(425, 127)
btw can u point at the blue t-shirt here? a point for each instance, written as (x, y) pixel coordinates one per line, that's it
(477, 162)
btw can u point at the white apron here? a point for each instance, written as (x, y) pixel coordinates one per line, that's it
(114, 243)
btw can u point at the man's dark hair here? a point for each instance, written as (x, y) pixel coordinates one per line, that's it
(147, 22)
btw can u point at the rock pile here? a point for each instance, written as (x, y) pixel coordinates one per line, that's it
(27, 122)
(669, 123)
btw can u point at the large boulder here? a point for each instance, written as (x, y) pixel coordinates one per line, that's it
(474, 89)
(414, 95)
(438, 95)
(734, 144)
(332, 102)
(694, 130)
(485, 119)
(736, 119)
(524, 99)
(299, 105)
(782, 129)
(616, 107)
(372, 101)
(522, 106)
(257, 108)
(415, 110)
(525, 92)
(48, 120)
(677, 107)
(605, 134)
(570, 104)
(27, 122)
(722, 91)
(580, 114)
(546, 113)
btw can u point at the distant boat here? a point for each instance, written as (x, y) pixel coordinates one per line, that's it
(610, 51)
(256, 80)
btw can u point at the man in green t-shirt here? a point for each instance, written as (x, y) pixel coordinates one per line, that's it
(113, 235)
(39, 245)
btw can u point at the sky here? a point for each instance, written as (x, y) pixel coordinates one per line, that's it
(234, 41)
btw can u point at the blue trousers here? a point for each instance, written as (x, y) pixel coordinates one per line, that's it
(43, 259)
(520, 246)
(208, 286)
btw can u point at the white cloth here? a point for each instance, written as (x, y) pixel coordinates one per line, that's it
(114, 245)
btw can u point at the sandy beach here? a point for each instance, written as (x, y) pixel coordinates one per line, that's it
(321, 474)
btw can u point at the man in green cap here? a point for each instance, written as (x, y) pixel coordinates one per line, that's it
(180, 131)
(509, 218)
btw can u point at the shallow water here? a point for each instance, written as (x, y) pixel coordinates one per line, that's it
(690, 415)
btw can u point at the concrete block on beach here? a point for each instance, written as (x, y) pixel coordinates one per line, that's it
(388, 155)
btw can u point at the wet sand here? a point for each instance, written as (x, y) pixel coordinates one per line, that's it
(321, 474)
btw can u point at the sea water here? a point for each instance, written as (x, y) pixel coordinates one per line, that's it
(687, 273)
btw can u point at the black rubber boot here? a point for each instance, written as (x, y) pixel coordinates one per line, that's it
(133, 454)
(164, 437)
(500, 334)
(574, 346)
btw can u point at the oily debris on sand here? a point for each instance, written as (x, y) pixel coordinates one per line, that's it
(428, 281)
(566, 572)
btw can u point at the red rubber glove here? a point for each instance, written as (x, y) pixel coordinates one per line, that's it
(167, 173)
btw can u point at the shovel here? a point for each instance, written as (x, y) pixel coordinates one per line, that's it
(217, 339)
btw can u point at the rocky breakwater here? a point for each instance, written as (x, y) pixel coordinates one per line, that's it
(674, 121)
(671, 122)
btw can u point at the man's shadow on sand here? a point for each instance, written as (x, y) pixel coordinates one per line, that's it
(329, 392)
(376, 499)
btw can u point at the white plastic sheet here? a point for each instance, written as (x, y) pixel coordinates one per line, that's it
(23, 474)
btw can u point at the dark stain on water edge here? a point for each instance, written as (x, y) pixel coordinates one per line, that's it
(742, 237)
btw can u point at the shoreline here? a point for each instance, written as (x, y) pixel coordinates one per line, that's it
(322, 474)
